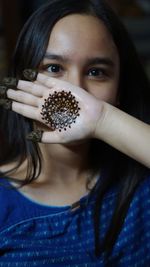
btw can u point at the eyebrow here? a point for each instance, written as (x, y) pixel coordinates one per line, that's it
(90, 61)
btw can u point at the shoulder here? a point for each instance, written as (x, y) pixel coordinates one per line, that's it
(143, 190)
(134, 238)
(140, 204)
(137, 221)
(6, 201)
(12, 207)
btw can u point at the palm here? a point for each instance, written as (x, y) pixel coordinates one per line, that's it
(46, 101)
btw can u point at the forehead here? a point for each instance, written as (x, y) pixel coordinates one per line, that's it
(81, 35)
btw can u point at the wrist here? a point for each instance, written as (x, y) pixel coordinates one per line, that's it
(101, 124)
(105, 122)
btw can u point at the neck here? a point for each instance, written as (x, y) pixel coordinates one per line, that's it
(63, 163)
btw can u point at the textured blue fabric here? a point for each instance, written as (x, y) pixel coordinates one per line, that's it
(37, 235)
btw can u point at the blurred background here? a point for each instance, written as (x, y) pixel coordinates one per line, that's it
(135, 14)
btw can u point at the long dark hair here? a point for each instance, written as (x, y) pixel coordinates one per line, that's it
(134, 97)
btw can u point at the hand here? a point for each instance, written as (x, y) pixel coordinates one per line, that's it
(31, 97)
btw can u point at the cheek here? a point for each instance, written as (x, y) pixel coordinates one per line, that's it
(105, 93)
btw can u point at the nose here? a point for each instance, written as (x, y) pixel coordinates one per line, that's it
(76, 78)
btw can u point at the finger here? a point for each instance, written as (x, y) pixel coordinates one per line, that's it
(35, 136)
(23, 97)
(31, 88)
(49, 81)
(6, 103)
(51, 137)
(3, 91)
(10, 82)
(30, 74)
(60, 85)
(25, 110)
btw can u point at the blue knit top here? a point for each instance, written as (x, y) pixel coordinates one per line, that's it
(32, 234)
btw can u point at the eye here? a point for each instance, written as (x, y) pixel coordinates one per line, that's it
(97, 73)
(53, 69)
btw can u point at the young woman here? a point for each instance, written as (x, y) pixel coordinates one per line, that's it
(75, 143)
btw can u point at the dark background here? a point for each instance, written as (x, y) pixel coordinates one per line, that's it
(135, 14)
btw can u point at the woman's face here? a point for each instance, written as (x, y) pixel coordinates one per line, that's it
(82, 52)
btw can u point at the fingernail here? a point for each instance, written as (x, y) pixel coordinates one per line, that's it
(10, 82)
(30, 74)
(5, 103)
(3, 91)
(35, 136)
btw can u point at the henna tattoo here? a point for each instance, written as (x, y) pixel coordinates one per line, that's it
(60, 110)
(35, 136)
(7, 82)
(3, 91)
(5, 103)
(10, 82)
(30, 74)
